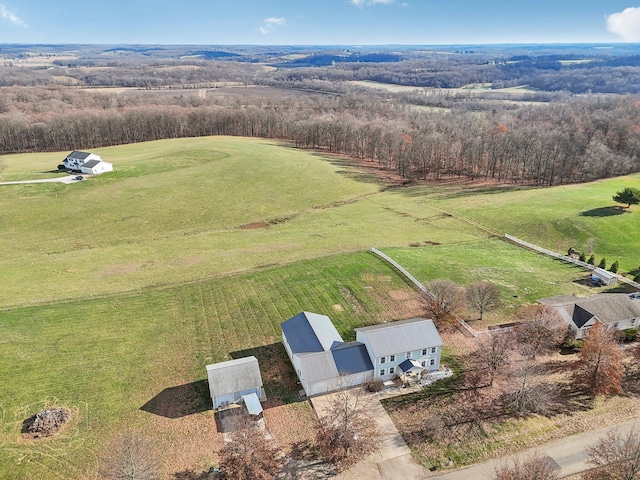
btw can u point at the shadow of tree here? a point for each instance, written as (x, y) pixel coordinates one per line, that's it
(604, 211)
(278, 377)
(193, 475)
(180, 401)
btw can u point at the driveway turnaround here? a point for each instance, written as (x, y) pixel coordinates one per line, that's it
(394, 459)
(67, 180)
(567, 455)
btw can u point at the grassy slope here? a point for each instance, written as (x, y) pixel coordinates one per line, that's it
(152, 222)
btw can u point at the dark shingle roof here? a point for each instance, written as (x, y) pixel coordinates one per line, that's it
(78, 155)
(310, 332)
(91, 163)
(352, 357)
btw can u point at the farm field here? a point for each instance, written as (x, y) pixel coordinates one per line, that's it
(117, 291)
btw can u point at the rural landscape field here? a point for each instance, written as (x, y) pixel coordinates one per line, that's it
(123, 287)
(492, 151)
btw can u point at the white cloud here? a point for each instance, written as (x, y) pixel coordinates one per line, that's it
(369, 3)
(626, 24)
(13, 18)
(271, 23)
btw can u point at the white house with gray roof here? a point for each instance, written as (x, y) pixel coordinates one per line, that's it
(230, 381)
(613, 310)
(398, 348)
(86, 162)
(323, 362)
(321, 359)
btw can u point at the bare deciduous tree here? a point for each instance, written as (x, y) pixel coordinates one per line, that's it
(532, 468)
(615, 456)
(483, 297)
(131, 457)
(493, 352)
(525, 395)
(540, 330)
(445, 302)
(599, 368)
(249, 454)
(347, 433)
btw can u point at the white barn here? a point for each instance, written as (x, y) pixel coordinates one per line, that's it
(230, 381)
(321, 359)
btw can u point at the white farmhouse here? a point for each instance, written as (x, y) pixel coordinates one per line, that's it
(402, 347)
(86, 162)
(324, 362)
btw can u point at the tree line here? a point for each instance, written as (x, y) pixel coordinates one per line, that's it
(574, 140)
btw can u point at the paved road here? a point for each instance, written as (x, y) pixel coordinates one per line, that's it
(567, 455)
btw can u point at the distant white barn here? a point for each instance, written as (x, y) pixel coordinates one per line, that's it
(86, 162)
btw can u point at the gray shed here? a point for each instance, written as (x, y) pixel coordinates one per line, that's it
(230, 381)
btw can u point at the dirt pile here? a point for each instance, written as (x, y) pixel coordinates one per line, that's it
(46, 422)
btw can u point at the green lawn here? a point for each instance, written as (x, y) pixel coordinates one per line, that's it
(194, 250)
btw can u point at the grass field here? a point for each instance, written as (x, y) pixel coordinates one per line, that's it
(116, 292)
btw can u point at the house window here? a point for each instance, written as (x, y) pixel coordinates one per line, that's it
(383, 360)
(408, 355)
(432, 361)
(392, 370)
(424, 352)
(382, 372)
(392, 358)
(423, 363)
(433, 349)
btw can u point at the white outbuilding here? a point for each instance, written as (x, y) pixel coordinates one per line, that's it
(96, 167)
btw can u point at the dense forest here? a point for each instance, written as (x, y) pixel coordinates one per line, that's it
(529, 136)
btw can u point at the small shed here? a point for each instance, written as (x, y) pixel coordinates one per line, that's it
(230, 381)
(604, 277)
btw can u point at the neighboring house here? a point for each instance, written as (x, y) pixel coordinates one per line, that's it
(321, 359)
(397, 348)
(613, 310)
(76, 159)
(230, 381)
(604, 277)
(96, 167)
(324, 362)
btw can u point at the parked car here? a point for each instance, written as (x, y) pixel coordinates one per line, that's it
(79, 177)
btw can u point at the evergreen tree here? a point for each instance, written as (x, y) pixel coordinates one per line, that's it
(603, 263)
(592, 260)
(614, 267)
(583, 257)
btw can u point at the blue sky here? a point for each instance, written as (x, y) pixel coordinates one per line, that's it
(319, 22)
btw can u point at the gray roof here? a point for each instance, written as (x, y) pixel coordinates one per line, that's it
(310, 332)
(78, 155)
(606, 307)
(234, 376)
(402, 336)
(345, 359)
(91, 163)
